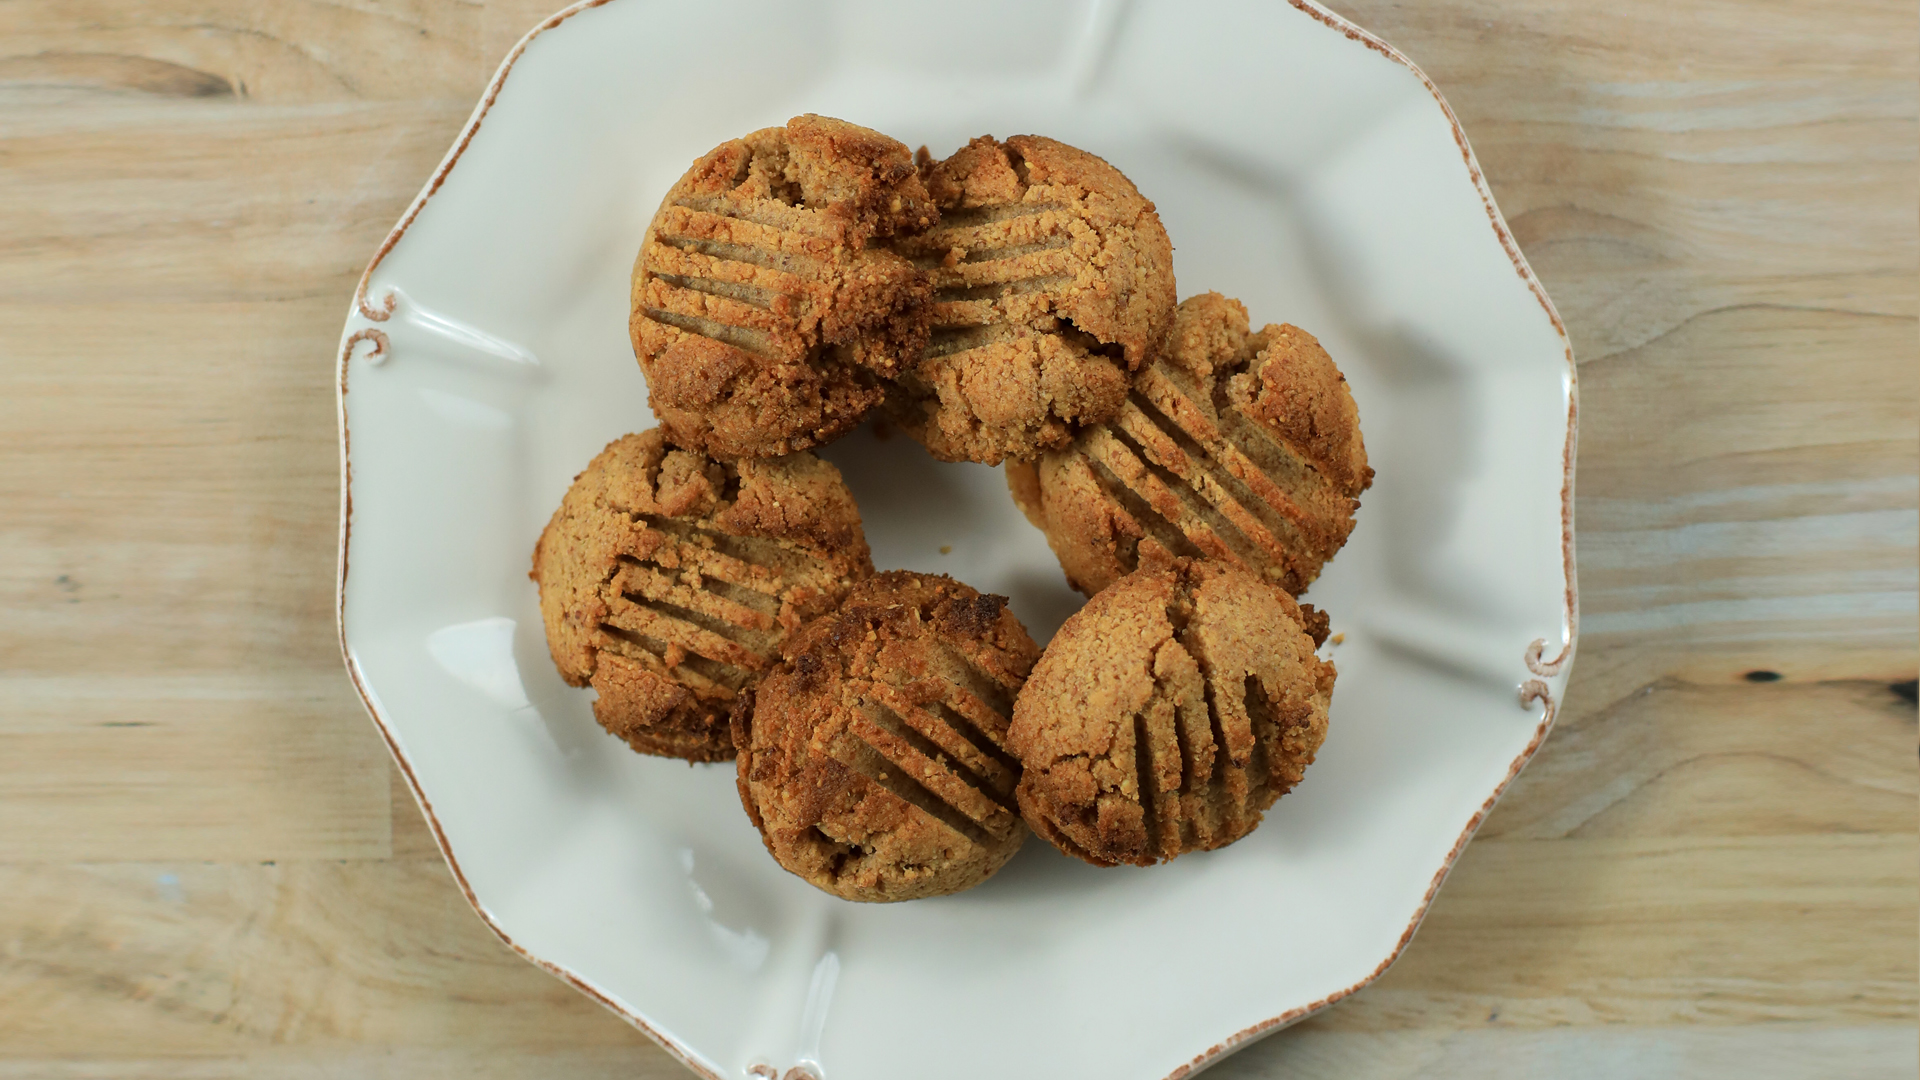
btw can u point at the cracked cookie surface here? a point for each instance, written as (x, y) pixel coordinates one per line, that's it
(1169, 714)
(764, 317)
(873, 760)
(1052, 278)
(669, 581)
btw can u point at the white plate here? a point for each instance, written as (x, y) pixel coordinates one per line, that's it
(1299, 164)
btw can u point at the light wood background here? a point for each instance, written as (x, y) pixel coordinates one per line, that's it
(209, 869)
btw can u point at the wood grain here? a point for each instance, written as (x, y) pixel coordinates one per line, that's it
(208, 867)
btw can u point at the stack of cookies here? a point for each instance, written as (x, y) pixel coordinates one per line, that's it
(896, 734)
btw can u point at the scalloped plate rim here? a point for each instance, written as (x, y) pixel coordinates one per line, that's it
(1545, 690)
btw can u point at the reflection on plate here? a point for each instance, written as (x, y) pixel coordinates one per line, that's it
(1300, 165)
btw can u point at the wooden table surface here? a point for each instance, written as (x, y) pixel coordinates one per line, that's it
(208, 867)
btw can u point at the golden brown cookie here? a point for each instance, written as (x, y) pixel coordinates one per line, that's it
(1232, 445)
(1169, 714)
(668, 582)
(873, 759)
(761, 315)
(1053, 279)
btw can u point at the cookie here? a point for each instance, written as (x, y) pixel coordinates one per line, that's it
(873, 760)
(763, 315)
(669, 581)
(1232, 445)
(1053, 280)
(1169, 714)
